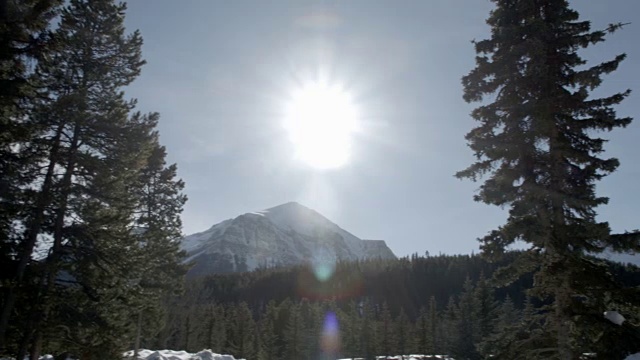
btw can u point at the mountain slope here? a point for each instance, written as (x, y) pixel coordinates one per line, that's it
(283, 235)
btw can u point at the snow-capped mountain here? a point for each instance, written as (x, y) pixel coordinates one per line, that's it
(283, 235)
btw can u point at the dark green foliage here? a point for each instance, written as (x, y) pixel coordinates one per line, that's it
(487, 310)
(241, 331)
(368, 335)
(294, 335)
(387, 336)
(270, 349)
(399, 283)
(90, 177)
(24, 41)
(466, 322)
(473, 324)
(434, 326)
(537, 144)
(422, 334)
(404, 330)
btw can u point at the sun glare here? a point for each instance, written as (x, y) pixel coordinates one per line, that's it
(321, 120)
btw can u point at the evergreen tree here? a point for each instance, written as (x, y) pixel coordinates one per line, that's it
(212, 334)
(282, 325)
(270, 349)
(486, 311)
(350, 330)
(450, 333)
(24, 40)
(294, 334)
(537, 142)
(507, 321)
(387, 337)
(432, 320)
(368, 333)
(422, 337)
(403, 331)
(313, 319)
(466, 323)
(241, 331)
(86, 125)
(99, 190)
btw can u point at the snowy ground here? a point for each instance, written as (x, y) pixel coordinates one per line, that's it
(408, 357)
(178, 355)
(209, 355)
(164, 355)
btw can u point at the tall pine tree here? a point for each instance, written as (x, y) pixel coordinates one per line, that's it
(537, 143)
(96, 189)
(24, 40)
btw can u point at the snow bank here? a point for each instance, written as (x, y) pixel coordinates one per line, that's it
(635, 356)
(615, 317)
(409, 357)
(145, 354)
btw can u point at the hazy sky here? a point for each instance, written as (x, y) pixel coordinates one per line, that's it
(220, 72)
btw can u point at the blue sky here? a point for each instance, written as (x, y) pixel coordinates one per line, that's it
(219, 72)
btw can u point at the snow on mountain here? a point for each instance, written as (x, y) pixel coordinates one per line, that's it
(282, 235)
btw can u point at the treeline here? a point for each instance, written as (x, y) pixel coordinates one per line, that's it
(89, 209)
(425, 305)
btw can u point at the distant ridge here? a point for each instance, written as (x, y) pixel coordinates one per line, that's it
(283, 235)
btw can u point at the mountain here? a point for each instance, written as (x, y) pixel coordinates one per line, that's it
(284, 235)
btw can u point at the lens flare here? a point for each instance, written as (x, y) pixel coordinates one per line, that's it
(324, 270)
(330, 342)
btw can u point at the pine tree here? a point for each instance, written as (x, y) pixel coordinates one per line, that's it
(270, 349)
(487, 309)
(387, 339)
(422, 337)
(86, 123)
(505, 331)
(466, 323)
(351, 322)
(294, 338)
(368, 331)
(432, 319)
(450, 333)
(157, 229)
(313, 319)
(537, 143)
(24, 40)
(403, 331)
(241, 332)
(100, 191)
(282, 322)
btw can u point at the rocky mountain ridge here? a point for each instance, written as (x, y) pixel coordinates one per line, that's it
(283, 235)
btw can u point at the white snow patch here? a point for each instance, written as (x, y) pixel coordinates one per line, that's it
(407, 357)
(635, 356)
(145, 354)
(192, 242)
(307, 222)
(614, 316)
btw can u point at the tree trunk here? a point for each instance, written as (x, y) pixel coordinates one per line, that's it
(44, 198)
(56, 250)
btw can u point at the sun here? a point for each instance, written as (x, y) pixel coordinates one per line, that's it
(321, 120)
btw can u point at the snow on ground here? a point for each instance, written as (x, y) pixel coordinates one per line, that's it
(408, 357)
(145, 354)
(635, 356)
(615, 317)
